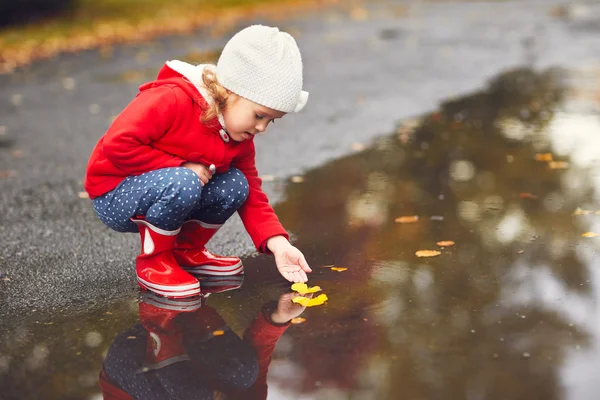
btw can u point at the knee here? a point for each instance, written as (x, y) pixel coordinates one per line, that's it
(240, 186)
(184, 187)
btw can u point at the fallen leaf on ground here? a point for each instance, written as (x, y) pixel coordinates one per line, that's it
(407, 219)
(558, 165)
(218, 332)
(298, 320)
(528, 196)
(83, 195)
(428, 253)
(131, 337)
(306, 302)
(579, 211)
(445, 243)
(358, 146)
(338, 269)
(589, 234)
(543, 157)
(297, 179)
(303, 288)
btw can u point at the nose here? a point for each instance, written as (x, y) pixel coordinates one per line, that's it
(262, 126)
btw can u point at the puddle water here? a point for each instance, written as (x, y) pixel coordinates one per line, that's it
(509, 174)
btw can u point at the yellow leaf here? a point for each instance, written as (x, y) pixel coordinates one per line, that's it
(218, 332)
(543, 157)
(306, 302)
(427, 253)
(579, 211)
(445, 243)
(338, 269)
(589, 234)
(407, 220)
(302, 288)
(298, 320)
(558, 164)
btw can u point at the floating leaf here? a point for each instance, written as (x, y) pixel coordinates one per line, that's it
(407, 219)
(302, 288)
(428, 253)
(589, 234)
(298, 320)
(219, 332)
(338, 269)
(528, 196)
(543, 157)
(558, 164)
(579, 211)
(306, 302)
(445, 243)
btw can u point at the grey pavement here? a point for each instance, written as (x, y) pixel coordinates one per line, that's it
(365, 70)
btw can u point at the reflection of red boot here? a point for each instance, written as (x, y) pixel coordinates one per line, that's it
(191, 254)
(164, 344)
(156, 268)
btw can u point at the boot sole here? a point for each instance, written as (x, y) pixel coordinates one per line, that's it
(173, 292)
(213, 270)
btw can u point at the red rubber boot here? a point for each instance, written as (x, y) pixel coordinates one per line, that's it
(156, 268)
(190, 251)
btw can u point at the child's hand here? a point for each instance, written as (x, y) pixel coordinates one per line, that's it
(290, 261)
(201, 170)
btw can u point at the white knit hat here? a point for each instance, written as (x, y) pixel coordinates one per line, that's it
(264, 65)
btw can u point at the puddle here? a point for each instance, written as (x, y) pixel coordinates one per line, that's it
(507, 312)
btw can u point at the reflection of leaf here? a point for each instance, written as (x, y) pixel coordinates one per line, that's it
(317, 301)
(445, 243)
(428, 253)
(407, 220)
(298, 320)
(589, 234)
(219, 332)
(338, 269)
(303, 288)
(543, 157)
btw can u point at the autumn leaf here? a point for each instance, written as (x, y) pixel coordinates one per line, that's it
(306, 302)
(219, 332)
(445, 243)
(558, 165)
(589, 234)
(298, 320)
(297, 179)
(528, 196)
(303, 288)
(338, 269)
(428, 253)
(543, 157)
(407, 219)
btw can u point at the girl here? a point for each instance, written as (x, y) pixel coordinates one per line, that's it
(180, 160)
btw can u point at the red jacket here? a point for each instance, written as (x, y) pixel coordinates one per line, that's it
(161, 128)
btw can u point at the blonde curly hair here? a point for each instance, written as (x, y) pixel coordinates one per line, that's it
(218, 93)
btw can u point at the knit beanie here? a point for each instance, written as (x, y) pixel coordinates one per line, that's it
(263, 65)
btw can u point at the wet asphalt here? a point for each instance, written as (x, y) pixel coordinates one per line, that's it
(366, 69)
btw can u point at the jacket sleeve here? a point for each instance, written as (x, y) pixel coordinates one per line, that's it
(256, 213)
(128, 141)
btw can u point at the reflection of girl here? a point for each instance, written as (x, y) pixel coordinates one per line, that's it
(183, 349)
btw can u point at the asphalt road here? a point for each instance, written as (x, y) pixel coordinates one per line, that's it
(366, 69)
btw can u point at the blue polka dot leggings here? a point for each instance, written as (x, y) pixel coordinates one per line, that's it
(170, 196)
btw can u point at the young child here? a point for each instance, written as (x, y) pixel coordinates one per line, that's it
(180, 160)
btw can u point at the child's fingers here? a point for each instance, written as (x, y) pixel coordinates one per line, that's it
(304, 264)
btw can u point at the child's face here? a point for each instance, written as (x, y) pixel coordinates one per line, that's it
(244, 118)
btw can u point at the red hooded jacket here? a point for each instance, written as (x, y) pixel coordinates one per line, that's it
(161, 128)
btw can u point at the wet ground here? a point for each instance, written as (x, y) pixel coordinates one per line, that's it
(506, 169)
